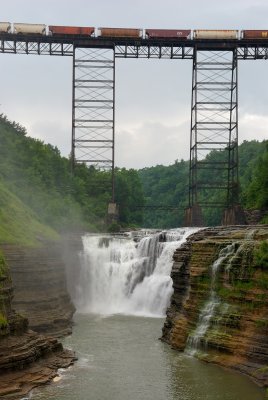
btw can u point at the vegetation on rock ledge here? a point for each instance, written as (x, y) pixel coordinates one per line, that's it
(261, 255)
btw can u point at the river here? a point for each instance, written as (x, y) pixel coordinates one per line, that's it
(121, 358)
(121, 292)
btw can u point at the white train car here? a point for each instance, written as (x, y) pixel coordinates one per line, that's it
(5, 27)
(30, 29)
(216, 34)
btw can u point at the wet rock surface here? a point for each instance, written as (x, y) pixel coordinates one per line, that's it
(237, 336)
(27, 358)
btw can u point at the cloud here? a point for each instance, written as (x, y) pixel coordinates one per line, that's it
(153, 97)
(151, 143)
(54, 132)
(252, 126)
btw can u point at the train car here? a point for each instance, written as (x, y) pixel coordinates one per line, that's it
(120, 32)
(30, 29)
(168, 33)
(5, 27)
(215, 34)
(56, 30)
(257, 34)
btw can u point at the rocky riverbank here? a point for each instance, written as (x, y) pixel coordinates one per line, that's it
(33, 281)
(27, 360)
(219, 309)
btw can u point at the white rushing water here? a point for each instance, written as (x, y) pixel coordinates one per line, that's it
(121, 276)
(194, 341)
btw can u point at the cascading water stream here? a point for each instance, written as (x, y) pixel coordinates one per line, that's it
(119, 275)
(194, 341)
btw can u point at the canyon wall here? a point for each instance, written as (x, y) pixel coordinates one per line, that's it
(219, 309)
(40, 289)
(33, 282)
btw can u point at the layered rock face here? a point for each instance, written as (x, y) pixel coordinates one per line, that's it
(219, 309)
(27, 359)
(40, 292)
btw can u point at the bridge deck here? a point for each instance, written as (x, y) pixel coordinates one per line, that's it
(248, 49)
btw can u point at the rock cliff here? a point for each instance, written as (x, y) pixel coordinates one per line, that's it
(27, 359)
(40, 292)
(219, 309)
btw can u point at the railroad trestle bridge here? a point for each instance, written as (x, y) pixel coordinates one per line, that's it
(214, 104)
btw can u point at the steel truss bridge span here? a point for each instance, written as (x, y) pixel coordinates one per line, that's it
(214, 105)
(247, 49)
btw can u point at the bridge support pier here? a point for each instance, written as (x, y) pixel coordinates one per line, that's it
(213, 181)
(113, 213)
(193, 216)
(93, 108)
(234, 215)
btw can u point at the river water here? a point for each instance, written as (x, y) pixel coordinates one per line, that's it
(121, 292)
(121, 358)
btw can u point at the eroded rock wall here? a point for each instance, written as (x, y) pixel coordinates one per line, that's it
(40, 290)
(237, 333)
(27, 359)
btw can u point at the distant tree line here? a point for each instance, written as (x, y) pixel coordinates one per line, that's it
(168, 185)
(39, 176)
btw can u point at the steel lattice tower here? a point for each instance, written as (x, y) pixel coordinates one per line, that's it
(93, 108)
(214, 130)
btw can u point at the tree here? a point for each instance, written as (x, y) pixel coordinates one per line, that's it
(257, 193)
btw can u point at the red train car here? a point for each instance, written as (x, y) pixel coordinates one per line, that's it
(168, 34)
(71, 30)
(255, 34)
(120, 32)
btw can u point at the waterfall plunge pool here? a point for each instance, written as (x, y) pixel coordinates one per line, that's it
(121, 358)
(118, 288)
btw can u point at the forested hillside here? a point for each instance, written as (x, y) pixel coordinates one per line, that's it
(36, 181)
(168, 185)
(40, 178)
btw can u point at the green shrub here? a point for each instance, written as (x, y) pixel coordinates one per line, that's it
(3, 321)
(262, 281)
(114, 227)
(262, 323)
(2, 265)
(261, 255)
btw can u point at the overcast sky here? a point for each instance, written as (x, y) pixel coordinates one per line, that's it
(152, 96)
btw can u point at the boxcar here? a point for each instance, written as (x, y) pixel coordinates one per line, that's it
(27, 29)
(215, 34)
(70, 30)
(255, 34)
(168, 33)
(120, 32)
(5, 27)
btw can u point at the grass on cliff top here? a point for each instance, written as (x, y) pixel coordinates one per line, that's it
(19, 224)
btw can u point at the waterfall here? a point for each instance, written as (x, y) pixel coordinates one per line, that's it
(121, 275)
(195, 339)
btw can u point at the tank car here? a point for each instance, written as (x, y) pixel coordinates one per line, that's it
(254, 34)
(168, 33)
(221, 34)
(120, 32)
(5, 27)
(57, 30)
(30, 29)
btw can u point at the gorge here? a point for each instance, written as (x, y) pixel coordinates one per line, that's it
(212, 284)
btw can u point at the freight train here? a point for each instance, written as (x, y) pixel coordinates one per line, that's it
(126, 33)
